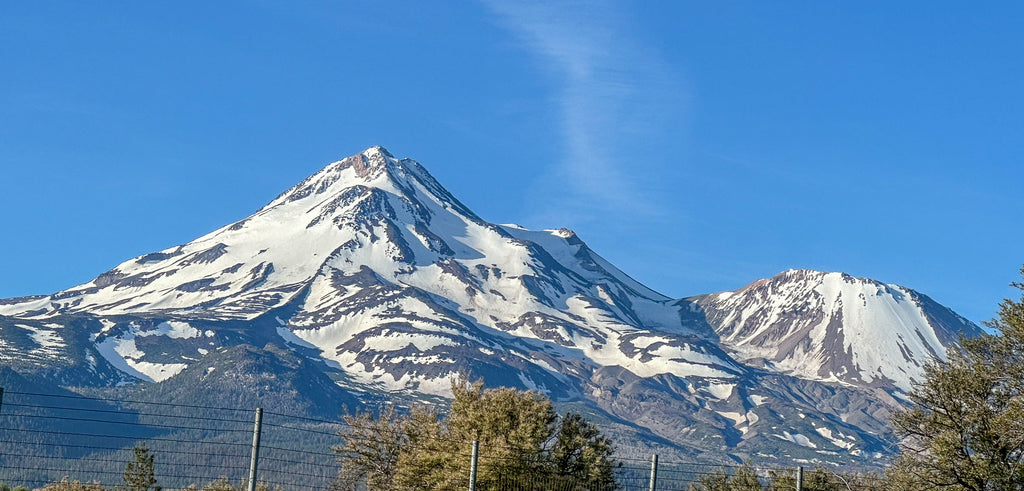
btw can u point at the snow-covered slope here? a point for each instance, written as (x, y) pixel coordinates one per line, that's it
(834, 327)
(396, 281)
(386, 284)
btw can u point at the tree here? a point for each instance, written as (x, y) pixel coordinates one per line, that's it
(66, 484)
(223, 484)
(821, 479)
(523, 445)
(431, 460)
(782, 479)
(580, 451)
(717, 480)
(139, 475)
(965, 428)
(511, 426)
(370, 448)
(744, 479)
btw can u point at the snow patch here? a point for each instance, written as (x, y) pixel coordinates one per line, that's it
(290, 337)
(123, 354)
(48, 340)
(173, 330)
(720, 391)
(827, 434)
(398, 341)
(737, 418)
(796, 438)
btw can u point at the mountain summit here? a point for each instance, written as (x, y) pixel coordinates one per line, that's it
(371, 273)
(834, 327)
(371, 257)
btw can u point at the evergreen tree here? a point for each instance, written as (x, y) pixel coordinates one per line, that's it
(223, 484)
(522, 445)
(821, 480)
(431, 460)
(66, 484)
(712, 481)
(511, 427)
(744, 479)
(581, 452)
(965, 429)
(139, 475)
(782, 480)
(370, 448)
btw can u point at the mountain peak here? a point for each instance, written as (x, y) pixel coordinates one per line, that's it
(805, 272)
(377, 150)
(367, 163)
(370, 271)
(367, 168)
(817, 276)
(371, 212)
(371, 160)
(831, 326)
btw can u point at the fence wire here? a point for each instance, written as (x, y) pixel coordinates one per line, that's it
(45, 438)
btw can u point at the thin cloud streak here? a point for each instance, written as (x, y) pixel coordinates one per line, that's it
(613, 95)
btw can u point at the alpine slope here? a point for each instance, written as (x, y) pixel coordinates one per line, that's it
(374, 274)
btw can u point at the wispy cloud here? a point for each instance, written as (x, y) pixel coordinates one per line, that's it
(612, 95)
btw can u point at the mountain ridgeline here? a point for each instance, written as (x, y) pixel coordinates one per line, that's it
(368, 280)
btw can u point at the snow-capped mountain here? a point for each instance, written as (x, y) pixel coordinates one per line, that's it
(375, 265)
(380, 279)
(834, 327)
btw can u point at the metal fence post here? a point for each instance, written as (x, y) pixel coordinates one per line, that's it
(800, 478)
(255, 448)
(472, 465)
(654, 473)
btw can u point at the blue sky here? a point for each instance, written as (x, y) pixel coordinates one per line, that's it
(697, 145)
